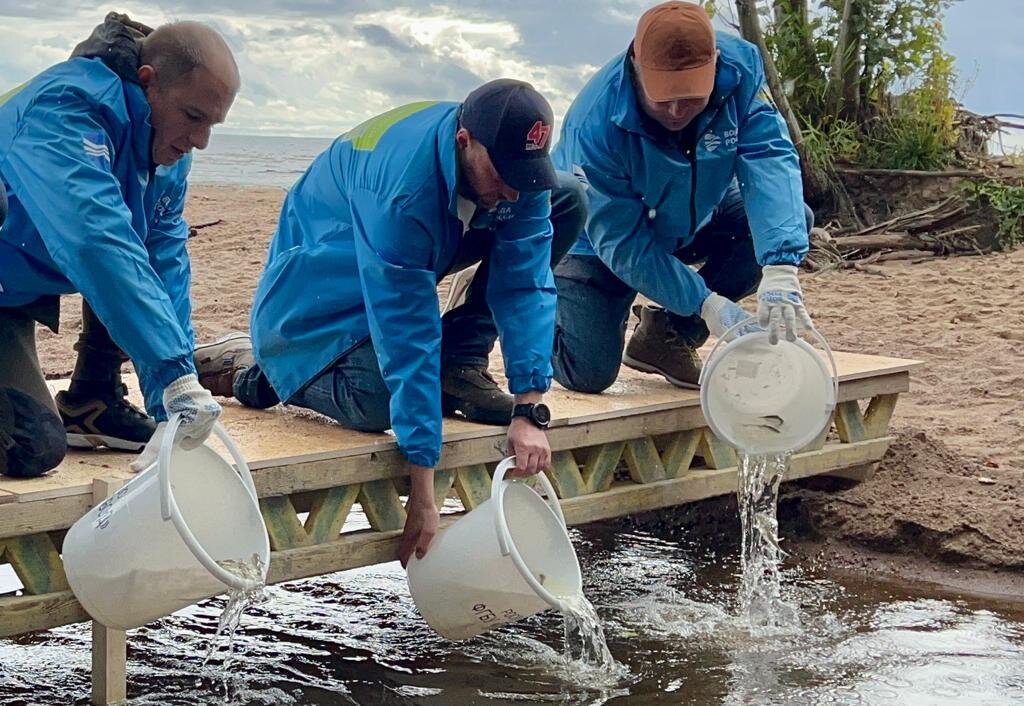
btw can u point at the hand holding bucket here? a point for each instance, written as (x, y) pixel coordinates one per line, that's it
(158, 544)
(764, 397)
(506, 559)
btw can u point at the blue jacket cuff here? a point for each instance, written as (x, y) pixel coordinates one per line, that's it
(521, 384)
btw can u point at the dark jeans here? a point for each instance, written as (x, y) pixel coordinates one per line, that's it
(353, 393)
(32, 439)
(593, 304)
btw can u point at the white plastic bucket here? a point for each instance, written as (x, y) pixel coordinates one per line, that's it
(764, 398)
(506, 559)
(152, 547)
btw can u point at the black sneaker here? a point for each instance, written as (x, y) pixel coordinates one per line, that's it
(471, 392)
(106, 419)
(655, 348)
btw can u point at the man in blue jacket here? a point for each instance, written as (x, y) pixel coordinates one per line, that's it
(91, 164)
(346, 318)
(686, 161)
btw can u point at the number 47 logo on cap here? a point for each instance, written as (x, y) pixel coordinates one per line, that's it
(537, 137)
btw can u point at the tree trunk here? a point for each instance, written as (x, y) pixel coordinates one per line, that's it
(844, 81)
(816, 185)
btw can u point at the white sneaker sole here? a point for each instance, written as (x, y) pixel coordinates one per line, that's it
(233, 336)
(96, 441)
(647, 368)
(459, 288)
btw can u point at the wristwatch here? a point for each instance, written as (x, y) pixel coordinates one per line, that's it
(538, 413)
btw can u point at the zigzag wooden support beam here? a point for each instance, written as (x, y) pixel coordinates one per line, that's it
(379, 500)
(849, 422)
(473, 484)
(678, 453)
(443, 481)
(565, 475)
(878, 415)
(643, 461)
(283, 526)
(328, 512)
(36, 562)
(715, 452)
(602, 460)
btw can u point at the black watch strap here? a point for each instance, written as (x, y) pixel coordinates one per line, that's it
(537, 413)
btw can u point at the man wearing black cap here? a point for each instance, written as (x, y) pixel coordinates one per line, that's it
(346, 318)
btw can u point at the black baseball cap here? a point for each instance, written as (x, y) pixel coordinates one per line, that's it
(514, 123)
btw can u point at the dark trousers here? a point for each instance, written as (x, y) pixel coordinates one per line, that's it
(353, 393)
(593, 304)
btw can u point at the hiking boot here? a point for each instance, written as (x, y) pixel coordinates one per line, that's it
(472, 392)
(459, 289)
(101, 415)
(656, 348)
(219, 362)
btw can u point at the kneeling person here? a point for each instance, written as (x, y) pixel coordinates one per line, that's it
(346, 318)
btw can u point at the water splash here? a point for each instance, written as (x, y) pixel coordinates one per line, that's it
(586, 659)
(222, 643)
(760, 591)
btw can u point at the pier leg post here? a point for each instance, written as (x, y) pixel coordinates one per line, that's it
(109, 647)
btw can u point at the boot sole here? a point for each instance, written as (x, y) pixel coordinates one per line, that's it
(471, 413)
(648, 368)
(96, 441)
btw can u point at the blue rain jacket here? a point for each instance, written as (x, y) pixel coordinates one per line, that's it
(363, 238)
(88, 214)
(647, 198)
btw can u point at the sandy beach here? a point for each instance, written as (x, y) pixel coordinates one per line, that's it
(950, 488)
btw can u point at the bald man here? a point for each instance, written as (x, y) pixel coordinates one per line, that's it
(93, 161)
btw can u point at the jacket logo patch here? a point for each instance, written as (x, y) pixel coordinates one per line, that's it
(537, 137)
(712, 141)
(98, 150)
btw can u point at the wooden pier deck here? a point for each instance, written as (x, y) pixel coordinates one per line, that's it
(640, 446)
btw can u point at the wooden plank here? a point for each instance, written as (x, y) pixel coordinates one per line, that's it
(643, 460)
(382, 505)
(443, 481)
(565, 475)
(679, 451)
(23, 614)
(6, 497)
(36, 562)
(20, 518)
(283, 526)
(878, 415)
(849, 422)
(328, 511)
(473, 484)
(109, 647)
(602, 460)
(715, 452)
(627, 498)
(28, 613)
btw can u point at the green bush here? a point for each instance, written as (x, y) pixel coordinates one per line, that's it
(1007, 200)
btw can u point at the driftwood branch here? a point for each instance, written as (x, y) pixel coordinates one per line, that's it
(910, 172)
(193, 231)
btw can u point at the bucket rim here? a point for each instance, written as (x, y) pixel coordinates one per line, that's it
(716, 357)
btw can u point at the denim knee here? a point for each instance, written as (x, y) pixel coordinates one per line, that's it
(32, 437)
(568, 214)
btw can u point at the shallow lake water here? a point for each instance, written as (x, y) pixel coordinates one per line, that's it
(670, 618)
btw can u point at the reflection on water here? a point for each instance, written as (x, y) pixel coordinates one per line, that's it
(355, 638)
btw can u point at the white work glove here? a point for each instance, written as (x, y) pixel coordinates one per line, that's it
(721, 314)
(780, 301)
(198, 411)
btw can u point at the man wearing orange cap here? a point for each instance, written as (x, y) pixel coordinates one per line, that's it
(686, 161)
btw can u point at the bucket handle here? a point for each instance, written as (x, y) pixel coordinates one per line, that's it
(727, 337)
(169, 507)
(505, 543)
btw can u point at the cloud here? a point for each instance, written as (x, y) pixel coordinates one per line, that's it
(319, 67)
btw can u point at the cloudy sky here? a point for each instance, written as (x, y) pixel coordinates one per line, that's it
(318, 67)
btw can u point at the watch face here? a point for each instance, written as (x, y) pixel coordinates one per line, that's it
(541, 413)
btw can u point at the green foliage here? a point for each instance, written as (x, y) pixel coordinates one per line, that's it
(892, 46)
(1007, 201)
